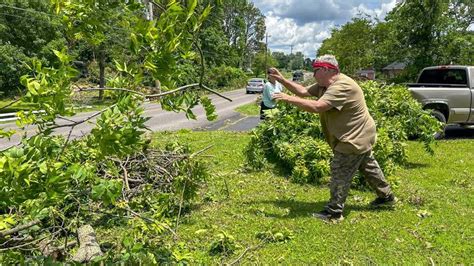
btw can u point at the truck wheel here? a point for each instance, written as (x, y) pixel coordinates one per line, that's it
(440, 117)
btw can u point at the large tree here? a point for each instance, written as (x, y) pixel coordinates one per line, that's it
(234, 31)
(419, 32)
(440, 37)
(352, 44)
(28, 30)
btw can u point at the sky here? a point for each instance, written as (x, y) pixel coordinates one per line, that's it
(302, 25)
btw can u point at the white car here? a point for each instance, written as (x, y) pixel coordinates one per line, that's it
(255, 85)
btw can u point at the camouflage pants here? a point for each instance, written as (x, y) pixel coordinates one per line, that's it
(343, 169)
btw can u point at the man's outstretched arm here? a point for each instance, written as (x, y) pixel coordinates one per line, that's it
(294, 87)
(313, 106)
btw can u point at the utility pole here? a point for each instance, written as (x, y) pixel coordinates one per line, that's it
(266, 51)
(290, 63)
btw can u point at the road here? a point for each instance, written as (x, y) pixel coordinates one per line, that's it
(161, 120)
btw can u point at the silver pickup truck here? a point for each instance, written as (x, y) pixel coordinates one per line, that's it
(449, 92)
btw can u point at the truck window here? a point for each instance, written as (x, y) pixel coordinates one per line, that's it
(444, 76)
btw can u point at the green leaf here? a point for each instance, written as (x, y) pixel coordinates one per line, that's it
(62, 56)
(209, 108)
(6, 134)
(191, 7)
(43, 167)
(134, 45)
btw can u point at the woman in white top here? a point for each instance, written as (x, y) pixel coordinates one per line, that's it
(272, 86)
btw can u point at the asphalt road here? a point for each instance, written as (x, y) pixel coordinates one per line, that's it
(161, 120)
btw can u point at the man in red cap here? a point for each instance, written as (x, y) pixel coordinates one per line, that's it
(348, 128)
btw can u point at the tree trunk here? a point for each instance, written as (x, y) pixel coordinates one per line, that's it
(101, 72)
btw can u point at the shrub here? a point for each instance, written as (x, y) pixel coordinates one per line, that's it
(226, 76)
(292, 138)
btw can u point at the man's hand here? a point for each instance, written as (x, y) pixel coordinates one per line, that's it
(280, 96)
(313, 106)
(276, 74)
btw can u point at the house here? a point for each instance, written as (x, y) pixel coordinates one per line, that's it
(394, 69)
(366, 74)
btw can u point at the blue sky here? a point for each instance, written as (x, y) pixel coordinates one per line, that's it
(304, 24)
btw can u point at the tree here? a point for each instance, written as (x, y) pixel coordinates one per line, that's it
(261, 63)
(296, 61)
(419, 39)
(308, 64)
(281, 58)
(352, 44)
(101, 25)
(244, 26)
(28, 30)
(441, 37)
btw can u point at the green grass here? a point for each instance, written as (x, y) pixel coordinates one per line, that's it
(250, 109)
(431, 224)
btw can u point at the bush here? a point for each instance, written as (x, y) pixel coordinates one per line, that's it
(226, 76)
(293, 139)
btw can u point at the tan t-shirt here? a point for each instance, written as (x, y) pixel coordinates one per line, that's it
(348, 126)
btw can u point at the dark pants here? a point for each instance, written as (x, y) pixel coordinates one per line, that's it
(263, 107)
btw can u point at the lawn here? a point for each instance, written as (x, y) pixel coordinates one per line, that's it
(432, 224)
(250, 109)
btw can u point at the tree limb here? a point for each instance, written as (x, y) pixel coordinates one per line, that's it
(19, 228)
(158, 94)
(215, 92)
(10, 104)
(83, 120)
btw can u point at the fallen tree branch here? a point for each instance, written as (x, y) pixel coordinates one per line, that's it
(19, 228)
(171, 91)
(83, 120)
(200, 151)
(24, 245)
(245, 252)
(125, 176)
(158, 95)
(215, 92)
(88, 246)
(180, 206)
(151, 221)
(10, 104)
(110, 89)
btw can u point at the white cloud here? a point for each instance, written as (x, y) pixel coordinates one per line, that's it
(304, 24)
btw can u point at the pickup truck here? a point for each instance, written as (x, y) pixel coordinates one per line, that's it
(449, 92)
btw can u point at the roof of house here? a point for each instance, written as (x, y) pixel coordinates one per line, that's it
(395, 65)
(362, 71)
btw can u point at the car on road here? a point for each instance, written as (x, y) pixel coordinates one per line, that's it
(255, 85)
(298, 75)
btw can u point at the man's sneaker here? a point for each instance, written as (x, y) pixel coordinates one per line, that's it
(327, 216)
(389, 201)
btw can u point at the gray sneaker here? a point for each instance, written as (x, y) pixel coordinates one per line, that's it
(389, 201)
(327, 216)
